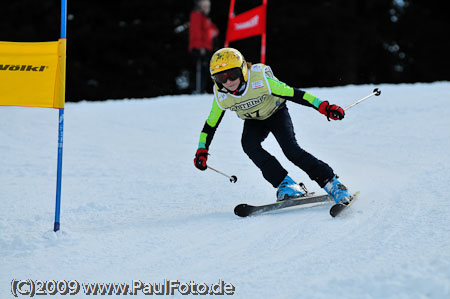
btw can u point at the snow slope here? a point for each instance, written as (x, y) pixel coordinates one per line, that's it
(135, 208)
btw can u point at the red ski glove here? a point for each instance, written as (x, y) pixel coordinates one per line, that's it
(331, 111)
(200, 158)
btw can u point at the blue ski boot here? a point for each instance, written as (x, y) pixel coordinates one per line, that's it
(289, 189)
(337, 191)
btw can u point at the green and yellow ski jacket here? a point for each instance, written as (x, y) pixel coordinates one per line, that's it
(262, 97)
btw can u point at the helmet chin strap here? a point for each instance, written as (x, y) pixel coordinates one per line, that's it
(239, 90)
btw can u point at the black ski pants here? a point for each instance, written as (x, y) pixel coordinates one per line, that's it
(280, 125)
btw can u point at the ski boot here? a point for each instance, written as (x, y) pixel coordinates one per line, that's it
(337, 191)
(289, 189)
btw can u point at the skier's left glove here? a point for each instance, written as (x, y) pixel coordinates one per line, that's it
(334, 112)
(200, 158)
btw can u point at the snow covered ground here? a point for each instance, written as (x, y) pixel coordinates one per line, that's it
(135, 208)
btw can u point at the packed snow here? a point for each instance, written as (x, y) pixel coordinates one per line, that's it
(134, 208)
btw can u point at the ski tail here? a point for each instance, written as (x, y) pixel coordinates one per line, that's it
(244, 210)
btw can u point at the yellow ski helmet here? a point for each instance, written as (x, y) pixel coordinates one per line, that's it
(226, 59)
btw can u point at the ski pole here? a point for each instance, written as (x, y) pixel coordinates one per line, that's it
(232, 178)
(376, 92)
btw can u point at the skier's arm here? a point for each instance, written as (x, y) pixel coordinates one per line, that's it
(211, 124)
(301, 97)
(207, 134)
(295, 95)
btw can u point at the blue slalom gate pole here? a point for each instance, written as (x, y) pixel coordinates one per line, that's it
(60, 132)
(59, 170)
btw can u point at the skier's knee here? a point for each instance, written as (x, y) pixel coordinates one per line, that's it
(250, 147)
(294, 154)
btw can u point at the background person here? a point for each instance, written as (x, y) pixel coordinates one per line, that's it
(202, 32)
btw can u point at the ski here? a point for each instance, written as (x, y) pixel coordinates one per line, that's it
(244, 210)
(336, 209)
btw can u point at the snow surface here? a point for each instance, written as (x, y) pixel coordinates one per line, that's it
(135, 208)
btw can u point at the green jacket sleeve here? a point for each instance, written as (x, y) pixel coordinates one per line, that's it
(295, 95)
(211, 124)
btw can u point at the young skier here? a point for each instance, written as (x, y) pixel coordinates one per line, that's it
(257, 97)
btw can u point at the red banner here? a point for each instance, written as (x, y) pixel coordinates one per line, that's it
(247, 24)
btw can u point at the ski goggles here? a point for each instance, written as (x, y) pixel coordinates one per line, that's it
(231, 74)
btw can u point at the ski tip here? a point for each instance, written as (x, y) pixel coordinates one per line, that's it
(336, 209)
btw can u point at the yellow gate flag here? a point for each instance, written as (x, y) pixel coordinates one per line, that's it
(33, 74)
